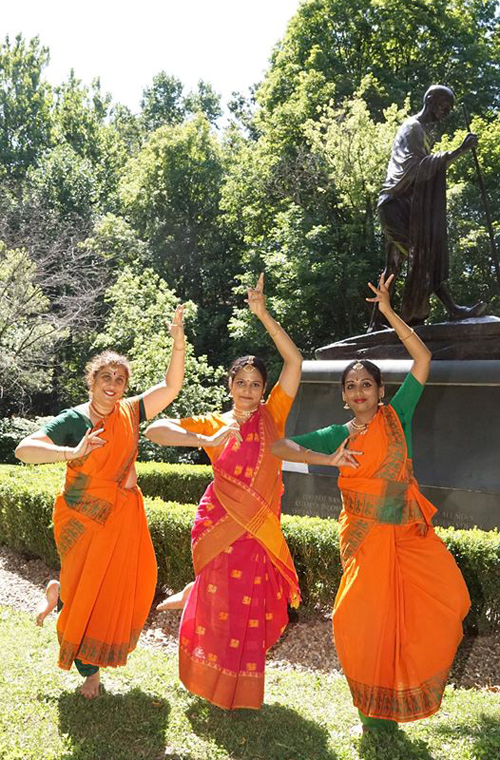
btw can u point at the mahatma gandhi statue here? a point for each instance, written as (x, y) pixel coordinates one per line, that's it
(412, 209)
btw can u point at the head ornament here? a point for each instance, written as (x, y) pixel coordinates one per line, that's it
(249, 366)
(358, 366)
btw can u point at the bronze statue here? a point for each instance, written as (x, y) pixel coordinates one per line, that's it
(412, 209)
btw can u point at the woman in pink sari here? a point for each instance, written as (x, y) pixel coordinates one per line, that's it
(237, 606)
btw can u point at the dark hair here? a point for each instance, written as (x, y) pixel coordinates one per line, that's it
(107, 358)
(370, 367)
(244, 361)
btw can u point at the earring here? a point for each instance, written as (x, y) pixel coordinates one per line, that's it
(346, 405)
(380, 402)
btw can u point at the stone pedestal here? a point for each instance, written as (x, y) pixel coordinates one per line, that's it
(456, 438)
(471, 339)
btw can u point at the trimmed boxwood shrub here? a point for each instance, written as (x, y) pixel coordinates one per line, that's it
(173, 482)
(27, 495)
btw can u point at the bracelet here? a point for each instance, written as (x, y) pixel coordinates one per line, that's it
(412, 332)
(305, 456)
(180, 348)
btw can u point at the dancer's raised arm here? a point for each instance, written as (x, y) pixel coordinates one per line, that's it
(292, 358)
(418, 351)
(161, 395)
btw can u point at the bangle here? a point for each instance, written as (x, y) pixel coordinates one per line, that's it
(306, 451)
(412, 332)
(180, 348)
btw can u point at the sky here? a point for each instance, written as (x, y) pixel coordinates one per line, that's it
(225, 42)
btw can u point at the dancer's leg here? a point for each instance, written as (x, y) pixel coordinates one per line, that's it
(176, 601)
(49, 603)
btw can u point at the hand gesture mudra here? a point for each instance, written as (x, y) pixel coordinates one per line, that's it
(222, 436)
(88, 444)
(344, 457)
(382, 295)
(176, 326)
(256, 299)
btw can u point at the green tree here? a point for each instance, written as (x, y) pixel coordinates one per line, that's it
(171, 193)
(310, 221)
(204, 100)
(25, 106)
(162, 103)
(27, 329)
(331, 45)
(81, 120)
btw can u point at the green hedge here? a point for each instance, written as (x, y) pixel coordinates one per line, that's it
(27, 494)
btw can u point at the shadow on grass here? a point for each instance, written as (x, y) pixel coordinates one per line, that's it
(271, 733)
(392, 746)
(129, 726)
(483, 732)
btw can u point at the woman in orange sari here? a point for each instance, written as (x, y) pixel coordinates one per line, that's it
(237, 606)
(397, 618)
(108, 565)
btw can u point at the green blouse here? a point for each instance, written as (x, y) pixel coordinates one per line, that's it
(69, 427)
(327, 440)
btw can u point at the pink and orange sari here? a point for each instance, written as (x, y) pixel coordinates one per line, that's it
(108, 564)
(398, 613)
(245, 575)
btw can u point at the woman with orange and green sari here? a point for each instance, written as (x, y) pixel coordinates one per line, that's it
(108, 565)
(237, 606)
(397, 618)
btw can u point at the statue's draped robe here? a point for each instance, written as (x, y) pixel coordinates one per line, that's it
(412, 208)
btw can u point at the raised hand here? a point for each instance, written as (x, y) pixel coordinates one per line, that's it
(88, 444)
(176, 327)
(223, 435)
(344, 457)
(256, 299)
(382, 295)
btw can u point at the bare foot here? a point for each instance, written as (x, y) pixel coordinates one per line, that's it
(90, 687)
(176, 601)
(48, 604)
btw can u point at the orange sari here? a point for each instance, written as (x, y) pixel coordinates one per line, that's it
(237, 608)
(398, 613)
(108, 564)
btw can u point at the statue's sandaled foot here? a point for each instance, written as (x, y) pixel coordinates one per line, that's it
(90, 687)
(176, 601)
(468, 312)
(49, 603)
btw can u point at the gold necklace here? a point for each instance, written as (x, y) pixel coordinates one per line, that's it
(244, 414)
(361, 428)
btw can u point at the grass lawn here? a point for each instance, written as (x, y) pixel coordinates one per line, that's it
(146, 715)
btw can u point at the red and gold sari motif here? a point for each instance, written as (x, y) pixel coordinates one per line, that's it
(108, 564)
(245, 575)
(398, 613)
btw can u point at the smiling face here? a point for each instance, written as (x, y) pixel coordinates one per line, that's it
(362, 392)
(109, 385)
(246, 388)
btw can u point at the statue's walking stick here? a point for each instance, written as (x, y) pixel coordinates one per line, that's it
(489, 225)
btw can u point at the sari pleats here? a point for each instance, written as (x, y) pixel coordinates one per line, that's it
(245, 576)
(236, 610)
(398, 613)
(108, 564)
